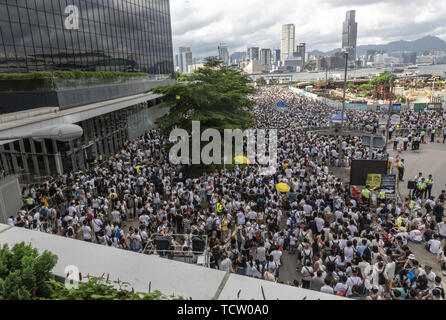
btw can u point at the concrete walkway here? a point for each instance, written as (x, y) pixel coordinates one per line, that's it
(430, 159)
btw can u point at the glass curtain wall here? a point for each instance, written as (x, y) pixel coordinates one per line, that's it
(90, 35)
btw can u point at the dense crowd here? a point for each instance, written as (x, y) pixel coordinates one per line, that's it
(339, 244)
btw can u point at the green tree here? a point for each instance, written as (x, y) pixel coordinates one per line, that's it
(351, 86)
(365, 86)
(383, 78)
(261, 81)
(401, 99)
(214, 95)
(310, 66)
(24, 273)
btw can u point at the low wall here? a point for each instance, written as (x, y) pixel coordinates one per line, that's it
(10, 198)
(70, 98)
(168, 276)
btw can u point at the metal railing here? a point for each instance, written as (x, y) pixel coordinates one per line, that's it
(176, 250)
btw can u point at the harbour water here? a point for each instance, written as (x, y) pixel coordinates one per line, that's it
(438, 69)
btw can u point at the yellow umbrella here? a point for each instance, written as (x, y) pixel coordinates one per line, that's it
(241, 160)
(283, 187)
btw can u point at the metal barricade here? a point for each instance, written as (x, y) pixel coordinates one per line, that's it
(170, 246)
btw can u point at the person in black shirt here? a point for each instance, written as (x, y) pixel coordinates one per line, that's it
(438, 211)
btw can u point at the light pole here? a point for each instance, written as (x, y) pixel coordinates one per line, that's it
(390, 111)
(345, 51)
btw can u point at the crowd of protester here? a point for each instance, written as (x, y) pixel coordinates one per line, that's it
(339, 244)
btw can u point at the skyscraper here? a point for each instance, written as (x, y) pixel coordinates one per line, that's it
(300, 51)
(265, 58)
(276, 55)
(223, 53)
(103, 36)
(350, 34)
(253, 54)
(287, 44)
(184, 59)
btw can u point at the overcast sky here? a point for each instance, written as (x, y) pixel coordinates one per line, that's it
(202, 24)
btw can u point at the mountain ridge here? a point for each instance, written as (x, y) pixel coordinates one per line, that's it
(430, 43)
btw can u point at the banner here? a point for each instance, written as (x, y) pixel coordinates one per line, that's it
(383, 118)
(395, 119)
(396, 109)
(419, 107)
(435, 106)
(388, 183)
(374, 180)
(356, 106)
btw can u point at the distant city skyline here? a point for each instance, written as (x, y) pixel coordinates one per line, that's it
(253, 25)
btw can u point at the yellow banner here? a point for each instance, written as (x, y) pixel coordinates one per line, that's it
(374, 180)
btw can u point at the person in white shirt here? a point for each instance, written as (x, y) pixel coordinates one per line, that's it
(430, 275)
(11, 221)
(277, 254)
(241, 220)
(327, 287)
(415, 235)
(442, 229)
(341, 287)
(226, 264)
(353, 280)
(86, 231)
(307, 275)
(319, 223)
(434, 244)
(349, 252)
(389, 272)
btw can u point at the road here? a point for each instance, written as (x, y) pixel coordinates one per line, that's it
(430, 159)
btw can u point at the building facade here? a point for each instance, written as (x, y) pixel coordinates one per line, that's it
(265, 58)
(253, 54)
(223, 53)
(276, 55)
(300, 51)
(91, 35)
(350, 34)
(287, 41)
(184, 58)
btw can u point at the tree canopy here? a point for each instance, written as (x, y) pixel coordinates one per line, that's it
(214, 95)
(24, 272)
(383, 78)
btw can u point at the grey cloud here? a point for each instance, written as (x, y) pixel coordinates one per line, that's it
(359, 3)
(258, 23)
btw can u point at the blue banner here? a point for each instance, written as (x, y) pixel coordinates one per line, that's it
(396, 109)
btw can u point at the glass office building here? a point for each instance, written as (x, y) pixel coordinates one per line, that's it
(91, 35)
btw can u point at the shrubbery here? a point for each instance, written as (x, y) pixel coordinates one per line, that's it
(73, 74)
(43, 81)
(98, 288)
(26, 275)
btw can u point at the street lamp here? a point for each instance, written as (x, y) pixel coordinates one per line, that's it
(390, 111)
(62, 132)
(345, 50)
